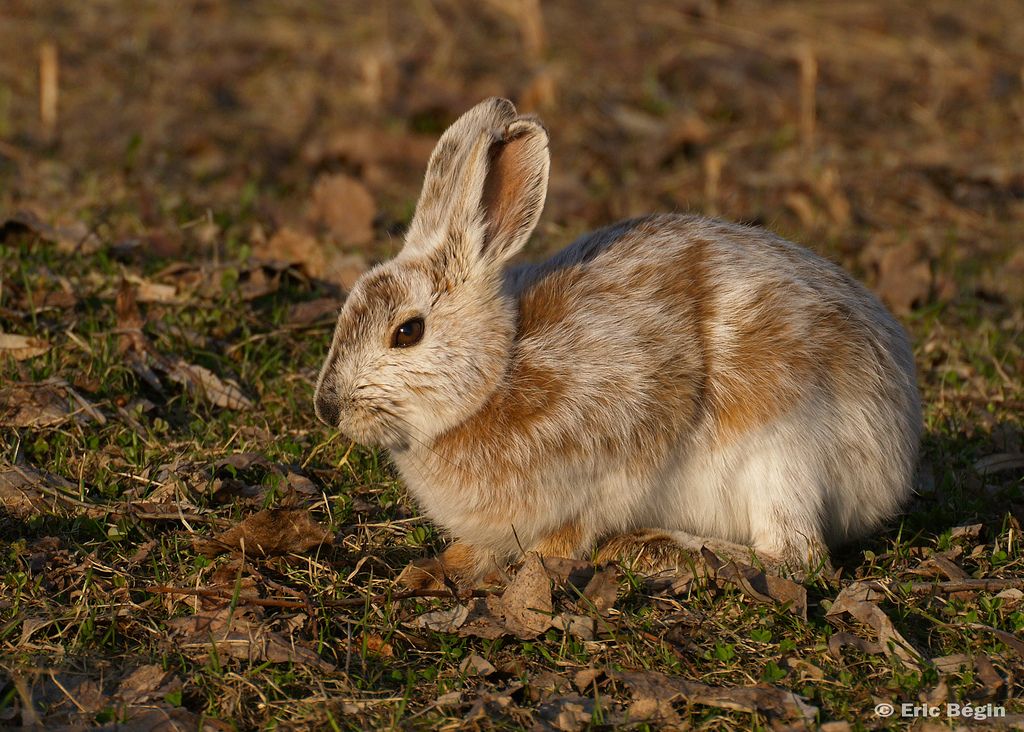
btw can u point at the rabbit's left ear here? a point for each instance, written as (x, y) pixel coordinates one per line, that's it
(485, 186)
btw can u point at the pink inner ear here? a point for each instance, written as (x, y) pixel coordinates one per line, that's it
(503, 200)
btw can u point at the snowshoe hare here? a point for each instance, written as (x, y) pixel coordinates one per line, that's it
(670, 380)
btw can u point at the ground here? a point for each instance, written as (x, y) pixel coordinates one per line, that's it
(181, 541)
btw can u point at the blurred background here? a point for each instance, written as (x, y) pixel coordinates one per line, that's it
(887, 135)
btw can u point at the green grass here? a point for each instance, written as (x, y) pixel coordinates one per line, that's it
(76, 588)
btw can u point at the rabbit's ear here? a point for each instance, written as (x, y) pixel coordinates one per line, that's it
(485, 185)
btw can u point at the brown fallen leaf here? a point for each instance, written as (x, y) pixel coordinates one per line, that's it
(45, 404)
(344, 207)
(144, 359)
(952, 663)
(526, 603)
(271, 531)
(220, 392)
(25, 491)
(476, 665)
(155, 292)
(858, 600)
(524, 610)
(840, 640)
(305, 313)
(72, 237)
(602, 589)
(999, 462)
(903, 271)
(147, 683)
(578, 626)
(292, 246)
(448, 620)
(765, 587)
(568, 713)
(990, 680)
(653, 694)
(241, 633)
(22, 347)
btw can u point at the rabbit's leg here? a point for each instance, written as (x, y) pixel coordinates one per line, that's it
(651, 551)
(460, 564)
(791, 543)
(567, 542)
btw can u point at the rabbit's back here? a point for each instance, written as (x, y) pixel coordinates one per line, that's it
(708, 342)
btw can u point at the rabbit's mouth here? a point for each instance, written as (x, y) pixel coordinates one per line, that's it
(374, 426)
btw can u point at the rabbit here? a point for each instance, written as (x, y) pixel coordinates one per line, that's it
(671, 380)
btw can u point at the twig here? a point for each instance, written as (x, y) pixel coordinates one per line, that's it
(964, 585)
(301, 605)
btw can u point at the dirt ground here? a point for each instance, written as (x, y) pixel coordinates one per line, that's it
(188, 189)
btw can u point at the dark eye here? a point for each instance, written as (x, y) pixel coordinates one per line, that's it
(408, 333)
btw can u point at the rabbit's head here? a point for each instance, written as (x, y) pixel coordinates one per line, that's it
(424, 339)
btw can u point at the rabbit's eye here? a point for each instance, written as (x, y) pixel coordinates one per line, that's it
(408, 333)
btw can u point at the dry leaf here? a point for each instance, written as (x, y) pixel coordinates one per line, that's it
(987, 676)
(567, 713)
(526, 603)
(856, 600)
(998, 463)
(443, 621)
(602, 589)
(305, 313)
(241, 633)
(21, 347)
(72, 237)
(33, 405)
(291, 246)
(224, 393)
(343, 206)
(475, 665)
(272, 531)
(578, 626)
(45, 404)
(838, 641)
(903, 270)
(152, 292)
(653, 694)
(147, 683)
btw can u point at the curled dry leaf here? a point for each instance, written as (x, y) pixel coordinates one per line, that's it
(22, 347)
(858, 600)
(269, 532)
(838, 641)
(25, 491)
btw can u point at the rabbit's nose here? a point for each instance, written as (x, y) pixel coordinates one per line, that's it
(328, 408)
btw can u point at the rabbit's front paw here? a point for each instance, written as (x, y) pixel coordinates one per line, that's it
(458, 565)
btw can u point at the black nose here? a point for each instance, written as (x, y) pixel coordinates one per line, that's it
(328, 408)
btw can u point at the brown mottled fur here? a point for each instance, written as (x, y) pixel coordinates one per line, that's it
(710, 381)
